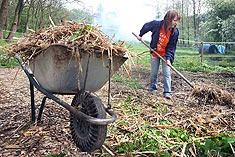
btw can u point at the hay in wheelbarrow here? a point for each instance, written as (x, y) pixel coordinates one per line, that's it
(77, 37)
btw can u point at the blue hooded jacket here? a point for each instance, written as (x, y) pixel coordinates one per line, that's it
(155, 27)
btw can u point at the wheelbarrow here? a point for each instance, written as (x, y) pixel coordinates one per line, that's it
(56, 71)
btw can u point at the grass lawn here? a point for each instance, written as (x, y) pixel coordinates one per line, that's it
(5, 61)
(187, 59)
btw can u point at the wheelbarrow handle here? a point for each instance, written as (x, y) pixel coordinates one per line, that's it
(173, 68)
(20, 61)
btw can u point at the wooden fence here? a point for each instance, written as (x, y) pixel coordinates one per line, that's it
(202, 45)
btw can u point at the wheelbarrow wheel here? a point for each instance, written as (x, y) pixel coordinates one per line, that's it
(88, 137)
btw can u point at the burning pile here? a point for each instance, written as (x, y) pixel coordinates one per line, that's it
(75, 36)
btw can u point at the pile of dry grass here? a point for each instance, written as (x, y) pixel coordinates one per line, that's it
(75, 36)
(213, 95)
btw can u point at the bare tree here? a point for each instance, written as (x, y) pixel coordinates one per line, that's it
(16, 21)
(43, 9)
(30, 3)
(36, 15)
(6, 23)
(173, 4)
(3, 15)
(198, 17)
(38, 12)
(194, 20)
(188, 21)
(182, 20)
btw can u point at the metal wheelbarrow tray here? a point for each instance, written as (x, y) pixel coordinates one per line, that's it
(57, 71)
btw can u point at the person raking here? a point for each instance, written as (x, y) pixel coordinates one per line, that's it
(164, 40)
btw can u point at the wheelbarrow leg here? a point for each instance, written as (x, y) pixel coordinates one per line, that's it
(33, 112)
(41, 109)
(32, 102)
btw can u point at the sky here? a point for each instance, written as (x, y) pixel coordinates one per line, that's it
(122, 17)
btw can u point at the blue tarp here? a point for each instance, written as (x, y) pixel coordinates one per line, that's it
(208, 48)
(221, 49)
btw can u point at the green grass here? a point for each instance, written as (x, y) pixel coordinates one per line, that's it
(140, 50)
(57, 155)
(186, 51)
(153, 140)
(223, 62)
(2, 43)
(187, 59)
(127, 81)
(5, 61)
(219, 144)
(16, 35)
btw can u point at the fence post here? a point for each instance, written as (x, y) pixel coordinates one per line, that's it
(226, 48)
(202, 53)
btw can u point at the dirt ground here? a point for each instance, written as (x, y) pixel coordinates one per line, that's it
(18, 137)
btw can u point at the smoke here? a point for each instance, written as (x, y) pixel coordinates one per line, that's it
(121, 18)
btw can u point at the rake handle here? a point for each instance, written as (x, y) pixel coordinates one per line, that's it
(173, 68)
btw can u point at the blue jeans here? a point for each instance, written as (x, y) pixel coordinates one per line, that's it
(166, 70)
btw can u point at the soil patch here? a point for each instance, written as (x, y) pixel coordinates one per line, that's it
(19, 137)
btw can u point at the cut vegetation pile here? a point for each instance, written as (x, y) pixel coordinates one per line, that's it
(213, 95)
(77, 37)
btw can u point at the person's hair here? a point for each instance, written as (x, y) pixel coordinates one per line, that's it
(170, 15)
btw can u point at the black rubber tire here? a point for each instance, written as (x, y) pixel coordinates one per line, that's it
(88, 137)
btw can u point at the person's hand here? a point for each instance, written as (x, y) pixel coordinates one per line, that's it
(168, 62)
(139, 38)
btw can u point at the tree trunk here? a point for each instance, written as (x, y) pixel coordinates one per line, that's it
(182, 19)
(194, 20)
(16, 21)
(198, 18)
(36, 15)
(28, 16)
(6, 23)
(33, 19)
(42, 18)
(3, 15)
(188, 25)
